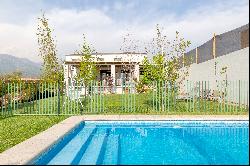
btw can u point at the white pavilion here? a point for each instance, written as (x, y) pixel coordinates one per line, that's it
(122, 68)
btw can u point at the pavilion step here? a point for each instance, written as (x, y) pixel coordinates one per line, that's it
(68, 153)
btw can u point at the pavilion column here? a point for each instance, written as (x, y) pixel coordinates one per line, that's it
(137, 72)
(66, 77)
(113, 73)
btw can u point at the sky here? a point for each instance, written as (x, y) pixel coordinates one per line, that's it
(106, 22)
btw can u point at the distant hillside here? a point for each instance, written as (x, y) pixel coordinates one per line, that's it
(9, 63)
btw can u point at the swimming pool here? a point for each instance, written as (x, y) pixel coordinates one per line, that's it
(151, 142)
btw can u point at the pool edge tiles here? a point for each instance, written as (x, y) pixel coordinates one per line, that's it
(172, 123)
(38, 144)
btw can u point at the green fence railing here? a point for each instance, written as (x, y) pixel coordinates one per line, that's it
(164, 97)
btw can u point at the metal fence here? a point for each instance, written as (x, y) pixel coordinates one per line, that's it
(43, 98)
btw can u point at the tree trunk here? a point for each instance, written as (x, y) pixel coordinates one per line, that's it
(85, 103)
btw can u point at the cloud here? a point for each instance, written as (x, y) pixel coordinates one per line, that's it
(19, 40)
(106, 33)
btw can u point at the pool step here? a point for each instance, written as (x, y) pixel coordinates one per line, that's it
(92, 152)
(211, 154)
(67, 154)
(111, 153)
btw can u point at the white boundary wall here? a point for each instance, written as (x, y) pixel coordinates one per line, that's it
(237, 64)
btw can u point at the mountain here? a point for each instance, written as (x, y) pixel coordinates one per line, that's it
(10, 63)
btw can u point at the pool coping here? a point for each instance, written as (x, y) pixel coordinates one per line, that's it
(163, 117)
(27, 150)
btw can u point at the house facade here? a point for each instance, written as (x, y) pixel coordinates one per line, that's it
(116, 69)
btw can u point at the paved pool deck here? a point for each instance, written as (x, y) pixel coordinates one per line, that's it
(25, 151)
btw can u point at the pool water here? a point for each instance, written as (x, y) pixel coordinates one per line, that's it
(149, 142)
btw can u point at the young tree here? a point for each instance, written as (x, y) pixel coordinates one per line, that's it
(129, 47)
(87, 68)
(52, 70)
(165, 64)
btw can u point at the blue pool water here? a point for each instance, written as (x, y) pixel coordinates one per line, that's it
(148, 142)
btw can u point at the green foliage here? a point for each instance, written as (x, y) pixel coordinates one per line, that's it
(87, 68)
(141, 87)
(52, 70)
(14, 77)
(16, 129)
(165, 64)
(154, 71)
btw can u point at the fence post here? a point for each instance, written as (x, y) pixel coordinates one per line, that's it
(58, 95)
(2, 102)
(239, 94)
(9, 100)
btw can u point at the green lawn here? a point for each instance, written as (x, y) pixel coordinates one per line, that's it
(16, 129)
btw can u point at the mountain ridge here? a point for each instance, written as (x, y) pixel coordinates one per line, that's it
(10, 63)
